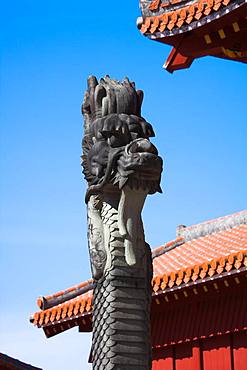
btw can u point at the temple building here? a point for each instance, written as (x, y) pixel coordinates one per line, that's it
(10, 363)
(199, 299)
(196, 28)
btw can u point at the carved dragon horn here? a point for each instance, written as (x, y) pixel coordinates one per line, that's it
(110, 96)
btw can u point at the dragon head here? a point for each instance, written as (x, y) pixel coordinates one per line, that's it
(116, 148)
(121, 167)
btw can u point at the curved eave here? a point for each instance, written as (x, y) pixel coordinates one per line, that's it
(202, 256)
(78, 312)
(234, 278)
(186, 19)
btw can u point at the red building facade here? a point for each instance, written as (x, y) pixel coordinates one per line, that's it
(199, 305)
(202, 329)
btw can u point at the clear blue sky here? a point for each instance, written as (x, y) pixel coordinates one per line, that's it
(48, 48)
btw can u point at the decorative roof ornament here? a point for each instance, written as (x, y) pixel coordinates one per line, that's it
(196, 28)
(121, 167)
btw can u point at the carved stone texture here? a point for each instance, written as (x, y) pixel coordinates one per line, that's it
(121, 167)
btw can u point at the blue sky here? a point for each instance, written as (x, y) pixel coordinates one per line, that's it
(199, 115)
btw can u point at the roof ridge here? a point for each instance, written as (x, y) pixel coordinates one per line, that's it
(65, 295)
(167, 247)
(196, 231)
(212, 226)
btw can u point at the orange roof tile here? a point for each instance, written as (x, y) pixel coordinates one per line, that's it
(200, 252)
(79, 306)
(184, 14)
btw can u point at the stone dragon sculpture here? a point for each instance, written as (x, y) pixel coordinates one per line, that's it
(121, 167)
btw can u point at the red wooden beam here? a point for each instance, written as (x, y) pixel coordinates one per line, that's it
(177, 61)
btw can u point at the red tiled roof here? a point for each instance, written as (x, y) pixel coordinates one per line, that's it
(185, 14)
(79, 306)
(196, 28)
(200, 252)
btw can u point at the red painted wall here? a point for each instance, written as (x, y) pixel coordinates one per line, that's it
(239, 345)
(222, 352)
(202, 331)
(187, 356)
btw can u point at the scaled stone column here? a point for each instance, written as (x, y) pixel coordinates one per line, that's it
(121, 167)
